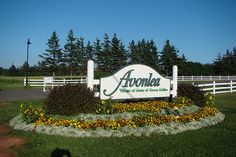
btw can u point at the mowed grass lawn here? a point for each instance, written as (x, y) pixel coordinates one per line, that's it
(7, 82)
(219, 140)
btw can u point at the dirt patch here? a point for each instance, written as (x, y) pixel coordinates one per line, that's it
(3, 104)
(4, 129)
(7, 142)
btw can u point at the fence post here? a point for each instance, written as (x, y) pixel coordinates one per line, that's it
(231, 86)
(214, 89)
(201, 77)
(192, 77)
(210, 77)
(64, 81)
(90, 74)
(182, 77)
(175, 81)
(24, 82)
(44, 86)
(52, 83)
(219, 77)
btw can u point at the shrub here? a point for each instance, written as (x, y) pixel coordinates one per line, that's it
(70, 100)
(192, 92)
(182, 100)
(106, 107)
(30, 114)
(209, 99)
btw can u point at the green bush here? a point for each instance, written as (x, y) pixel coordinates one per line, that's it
(209, 99)
(106, 107)
(70, 100)
(182, 100)
(192, 92)
(30, 114)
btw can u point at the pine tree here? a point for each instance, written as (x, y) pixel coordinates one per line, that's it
(53, 56)
(168, 58)
(99, 57)
(89, 52)
(71, 53)
(217, 65)
(142, 51)
(133, 54)
(118, 54)
(150, 55)
(12, 70)
(82, 55)
(24, 68)
(106, 65)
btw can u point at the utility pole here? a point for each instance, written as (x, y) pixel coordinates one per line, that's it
(27, 73)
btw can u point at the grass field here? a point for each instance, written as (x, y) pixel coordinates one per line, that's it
(18, 81)
(219, 140)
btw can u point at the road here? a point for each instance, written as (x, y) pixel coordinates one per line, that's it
(21, 94)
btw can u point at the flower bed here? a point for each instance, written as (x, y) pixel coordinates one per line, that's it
(142, 118)
(139, 121)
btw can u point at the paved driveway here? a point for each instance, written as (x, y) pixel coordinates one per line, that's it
(21, 94)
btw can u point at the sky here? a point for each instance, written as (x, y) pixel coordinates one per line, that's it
(199, 29)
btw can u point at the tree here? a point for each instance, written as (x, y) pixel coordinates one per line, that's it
(53, 56)
(71, 53)
(133, 53)
(225, 65)
(150, 55)
(168, 58)
(106, 64)
(82, 56)
(218, 66)
(24, 68)
(98, 53)
(89, 52)
(12, 70)
(1, 70)
(118, 54)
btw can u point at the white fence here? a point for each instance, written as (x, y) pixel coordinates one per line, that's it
(215, 88)
(51, 82)
(205, 78)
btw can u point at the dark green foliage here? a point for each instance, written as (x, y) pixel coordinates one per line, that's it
(110, 54)
(192, 92)
(144, 52)
(118, 54)
(168, 58)
(13, 71)
(71, 99)
(106, 52)
(52, 58)
(72, 57)
(225, 65)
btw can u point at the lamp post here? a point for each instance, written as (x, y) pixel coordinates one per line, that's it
(27, 71)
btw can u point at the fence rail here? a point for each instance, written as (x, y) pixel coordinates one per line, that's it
(51, 83)
(216, 88)
(205, 78)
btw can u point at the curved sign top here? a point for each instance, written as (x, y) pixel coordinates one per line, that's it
(134, 81)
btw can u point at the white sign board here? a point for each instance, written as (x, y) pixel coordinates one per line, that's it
(48, 79)
(134, 81)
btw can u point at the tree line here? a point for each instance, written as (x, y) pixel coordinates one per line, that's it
(110, 54)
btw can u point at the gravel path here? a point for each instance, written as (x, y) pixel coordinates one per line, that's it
(21, 94)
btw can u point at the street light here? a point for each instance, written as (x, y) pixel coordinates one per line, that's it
(27, 70)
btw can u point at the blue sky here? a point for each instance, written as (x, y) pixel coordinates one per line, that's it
(200, 29)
